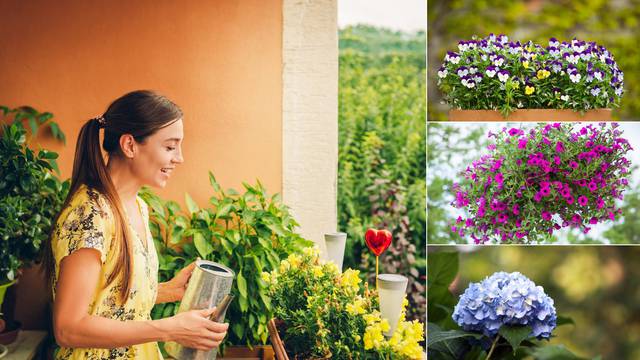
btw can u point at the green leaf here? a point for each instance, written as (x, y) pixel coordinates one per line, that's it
(242, 284)
(191, 205)
(564, 320)
(515, 334)
(437, 335)
(202, 244)
(553, 352)
(214, 183)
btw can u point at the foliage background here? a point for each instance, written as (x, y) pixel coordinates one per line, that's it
(597, 286)
(451, 147)
(612, 24)
(382, 162)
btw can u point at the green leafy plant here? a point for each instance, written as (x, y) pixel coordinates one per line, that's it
(325, 314)
(446, 340)
(30, 195)
(35, 120)
(249, 232)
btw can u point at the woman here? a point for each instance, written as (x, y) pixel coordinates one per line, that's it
(101, 259)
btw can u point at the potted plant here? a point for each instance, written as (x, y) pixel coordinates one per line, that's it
(535, 182)
(249, 232)
(30, 197)
(321, 313)
(497, 79)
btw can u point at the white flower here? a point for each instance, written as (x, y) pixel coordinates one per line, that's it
(503, 77)
(597, 75)
(442, 73)
(454, 59)
(575, 77)
(499, 61)
(565, 97)
(473, 70)
(491, 73)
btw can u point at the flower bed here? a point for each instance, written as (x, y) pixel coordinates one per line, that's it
(535, 183)
(495, 73)
(324, 313)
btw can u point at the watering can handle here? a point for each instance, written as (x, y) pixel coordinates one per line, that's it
(221, 308)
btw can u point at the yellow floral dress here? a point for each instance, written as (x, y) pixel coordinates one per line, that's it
(87, 222)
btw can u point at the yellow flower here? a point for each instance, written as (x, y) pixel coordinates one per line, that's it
(529, 90)
(373, 338)
(331, 268)
(266, 277)
(357, 307)
(317, 271)
(525, 64)
(543, 74)
(534, 56)
(284, 266)
(294, 260)
(350, 279)
(311, 251)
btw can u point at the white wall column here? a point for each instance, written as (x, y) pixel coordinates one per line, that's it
(310, 114)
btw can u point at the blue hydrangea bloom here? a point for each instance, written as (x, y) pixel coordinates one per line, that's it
(505, 299)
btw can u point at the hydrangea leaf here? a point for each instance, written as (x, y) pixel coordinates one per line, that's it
(554, 352)
(565, 320)
(436, 334)
(515, 334)
(443, 267)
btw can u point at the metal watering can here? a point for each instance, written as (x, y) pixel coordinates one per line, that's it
(209, 286)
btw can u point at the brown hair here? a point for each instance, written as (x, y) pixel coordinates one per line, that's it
(139, 113)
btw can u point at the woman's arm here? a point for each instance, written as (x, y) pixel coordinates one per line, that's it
(74, 327)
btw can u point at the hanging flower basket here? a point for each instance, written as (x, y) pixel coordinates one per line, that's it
(508, 77)
(531, 115)
(533, 183)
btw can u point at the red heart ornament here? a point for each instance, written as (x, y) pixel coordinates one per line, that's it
(377, 240)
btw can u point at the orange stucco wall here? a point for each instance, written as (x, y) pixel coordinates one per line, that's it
(220, 60)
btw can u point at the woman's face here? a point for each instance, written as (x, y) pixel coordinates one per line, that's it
(158, 155)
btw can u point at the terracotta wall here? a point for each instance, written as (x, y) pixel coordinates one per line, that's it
(221, 61)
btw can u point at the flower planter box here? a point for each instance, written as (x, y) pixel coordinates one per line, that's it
(531, 115)
(244, 353)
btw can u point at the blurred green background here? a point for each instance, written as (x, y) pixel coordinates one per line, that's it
(613, 24)
(597, 286)
(382, 147)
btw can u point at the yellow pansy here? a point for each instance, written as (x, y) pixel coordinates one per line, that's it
(525, 64)
(529, 90)
(543, 74)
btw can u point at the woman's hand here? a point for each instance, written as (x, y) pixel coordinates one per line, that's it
(193, 329)
(173, 290)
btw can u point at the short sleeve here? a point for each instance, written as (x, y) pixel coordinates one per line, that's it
(86, 225)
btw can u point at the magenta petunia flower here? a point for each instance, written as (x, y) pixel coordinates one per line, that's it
(559, 147)
(514, 132)
(583, 200)
(593, 186)
(572, 164)
(569, 200)
(522, 143)
(546, 215)
(516, 209)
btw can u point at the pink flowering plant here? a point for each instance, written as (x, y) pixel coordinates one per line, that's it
(536, 182)
(495, 73)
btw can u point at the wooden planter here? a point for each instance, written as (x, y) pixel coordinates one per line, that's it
(244, 353)
(531, 115)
